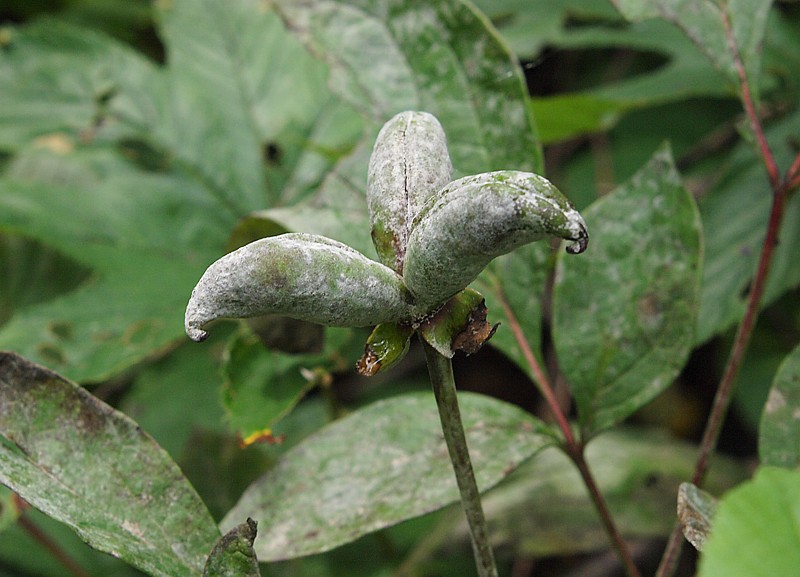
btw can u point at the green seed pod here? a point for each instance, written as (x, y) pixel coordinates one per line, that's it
(409, 164)
(302, 276)
(477, 218)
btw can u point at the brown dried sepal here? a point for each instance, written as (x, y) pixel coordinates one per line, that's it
(477, 331)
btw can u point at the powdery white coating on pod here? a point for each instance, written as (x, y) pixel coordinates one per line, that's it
(302, 276)
(477, 218)
(409, 164)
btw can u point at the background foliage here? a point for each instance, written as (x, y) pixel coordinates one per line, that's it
(139, 142)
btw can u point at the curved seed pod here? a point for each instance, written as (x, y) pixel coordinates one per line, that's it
(477, 218)
(302, 276)
(409, 164)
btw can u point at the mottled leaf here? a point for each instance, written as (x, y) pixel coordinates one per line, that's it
(696, 509)
(705, 23)
(624, 312)
(233, 555)
(83, 463)
(441, 57)
(779, 432)
(377, 467)
(756, 528)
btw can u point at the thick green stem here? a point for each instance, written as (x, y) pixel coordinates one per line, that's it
(444, 387)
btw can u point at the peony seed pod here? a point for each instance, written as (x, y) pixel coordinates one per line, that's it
(477, 218)
(409, 164)
(302, 276)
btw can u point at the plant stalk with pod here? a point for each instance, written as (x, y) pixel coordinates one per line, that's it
(433, 237)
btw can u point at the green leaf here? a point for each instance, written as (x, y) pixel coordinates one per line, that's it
(151, 165)
(530, 25)
(705, 24)
(377, 467)
(263, 386)
(756, 528)
(448, 63)
(686, 74)
(233, 555)
(779, 432)
(81, 462)
(161, 391)
(543, 508)
(624, 312)
(735, 217)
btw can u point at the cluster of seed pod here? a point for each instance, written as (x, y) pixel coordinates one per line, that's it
(433, 237)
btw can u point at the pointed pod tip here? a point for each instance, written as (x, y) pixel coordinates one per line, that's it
(579, 244)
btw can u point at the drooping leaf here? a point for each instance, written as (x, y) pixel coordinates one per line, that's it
(441, 58)
(377, 467)
(624, 312)
(696, 509)
(707, 25)
(779, 432)
(233, 555)
(756, 528)
(85, 464)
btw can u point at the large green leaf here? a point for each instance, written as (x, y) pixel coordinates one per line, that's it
(388, 56)
(624, 311)
(377, 467)
(756, 528)
(83, 463)
(779, 432)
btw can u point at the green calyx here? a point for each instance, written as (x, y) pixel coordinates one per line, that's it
(433, 237)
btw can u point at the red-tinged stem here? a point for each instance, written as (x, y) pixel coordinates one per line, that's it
(573, 448)
(69, 564)
(722, 398)
(539, 378)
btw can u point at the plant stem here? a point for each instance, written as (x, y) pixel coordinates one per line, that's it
(440, 369)
(572, 447)
(722, 398)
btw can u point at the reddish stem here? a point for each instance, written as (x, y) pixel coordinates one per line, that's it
(44, 540)
(573, 448)
(724, 392)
